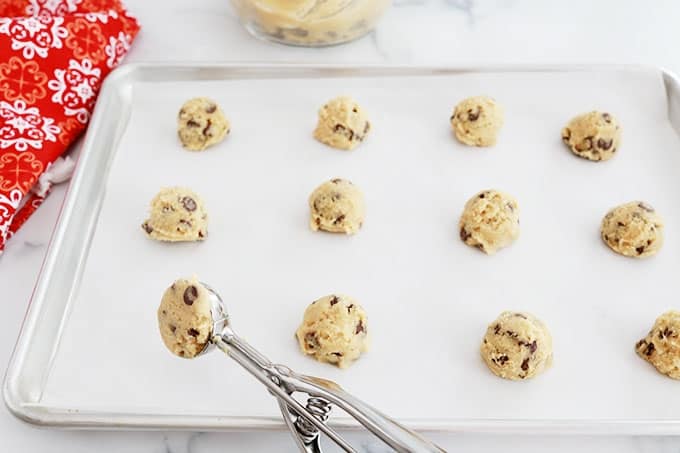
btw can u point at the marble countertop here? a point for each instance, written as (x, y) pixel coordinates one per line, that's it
(460, 32)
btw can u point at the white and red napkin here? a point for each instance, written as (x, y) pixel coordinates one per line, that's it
(54, 55)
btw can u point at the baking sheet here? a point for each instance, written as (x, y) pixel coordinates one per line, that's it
(428, 296)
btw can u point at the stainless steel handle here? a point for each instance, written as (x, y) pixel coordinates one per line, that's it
(397, 436)
(267, 373)
(283, 382)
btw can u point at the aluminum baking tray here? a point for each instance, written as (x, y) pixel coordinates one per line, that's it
(89, 355)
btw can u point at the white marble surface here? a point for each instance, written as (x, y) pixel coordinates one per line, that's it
(413, 32)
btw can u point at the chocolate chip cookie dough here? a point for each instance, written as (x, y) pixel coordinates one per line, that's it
(661, 346)
(201, 124)
(184, 318)
(310, 22)
(476, 121)
(337, 206)
(490, 221)
(177, 214)
(342, 124)
(334, 330)
(593, 135)
(633, 229)
(517, 346)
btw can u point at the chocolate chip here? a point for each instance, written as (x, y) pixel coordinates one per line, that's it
(640, 250)
(299, 32)
(639, 344)
(525, 364)
(349, 308)
(190, 295)
(338, 128)
(473, 116)
(334, 300)
(512, 334)
(360, 328)
(193, 332)
(644, 206)
(211, 108)
(607, 117)
(336, 180)
(502, 359)
(180, 353)
(339, 219)
(181, 112)
(519, 315)
(337, 354)
(311, 340)
(480, 247)
(497, 329)
(206, 129)
(649, 350)
(200, 234)
(482, 195)
(464, 235)
(604, 144)
(189, 204)
(351, 135)
(185, 223)
(532, 346)
(173, 328)
(147, 228)
(192, 123)
(354, 109)
(621, 224)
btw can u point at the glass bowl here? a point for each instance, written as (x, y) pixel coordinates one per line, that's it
(310, 23)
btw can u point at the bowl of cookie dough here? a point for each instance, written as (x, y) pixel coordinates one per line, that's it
(310, 23)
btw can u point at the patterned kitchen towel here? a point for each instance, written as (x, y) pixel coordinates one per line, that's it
(54, 55)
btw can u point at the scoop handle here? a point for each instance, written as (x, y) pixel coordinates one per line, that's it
(392, 433)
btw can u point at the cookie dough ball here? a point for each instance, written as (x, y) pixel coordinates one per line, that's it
(517, 346)
(633, 229)
(177, 214)
(593, 135)
(343, 124)
(476, 121)
(661, 347)
(490, 221)
(337, 206)
(184, 318)
(201, 124)
(334, 330)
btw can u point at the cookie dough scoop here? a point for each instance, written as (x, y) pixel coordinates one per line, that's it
(193, 320)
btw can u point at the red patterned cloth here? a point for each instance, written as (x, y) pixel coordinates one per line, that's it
(54, 55)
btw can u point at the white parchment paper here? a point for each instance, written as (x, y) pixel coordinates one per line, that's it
(428, 296)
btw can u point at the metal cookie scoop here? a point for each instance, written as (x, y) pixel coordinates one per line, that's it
(306, 420)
